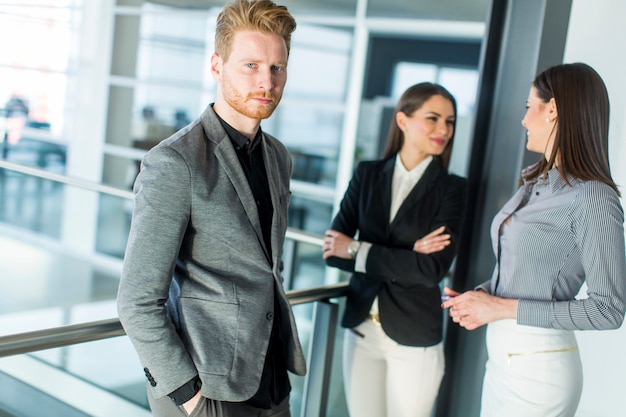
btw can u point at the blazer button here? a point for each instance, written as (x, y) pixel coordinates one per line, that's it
(269, 316)
(149, 377)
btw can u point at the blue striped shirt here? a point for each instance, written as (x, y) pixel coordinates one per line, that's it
(549, 239)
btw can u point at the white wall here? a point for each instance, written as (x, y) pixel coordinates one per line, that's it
(596, 35)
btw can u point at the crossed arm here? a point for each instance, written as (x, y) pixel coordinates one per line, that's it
(336, 243)
(470, 310)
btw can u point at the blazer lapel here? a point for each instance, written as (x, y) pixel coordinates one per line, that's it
(227, 157)
(269, 158)
(384, 184)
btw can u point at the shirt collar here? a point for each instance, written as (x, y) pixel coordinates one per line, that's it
(554, 179)
(416, 172)
(240, 141)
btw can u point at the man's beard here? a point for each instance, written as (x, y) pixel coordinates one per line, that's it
(247, 105)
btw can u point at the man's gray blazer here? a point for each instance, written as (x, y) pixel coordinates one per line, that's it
(196, 219)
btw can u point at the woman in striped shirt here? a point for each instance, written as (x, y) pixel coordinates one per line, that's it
(563, 228)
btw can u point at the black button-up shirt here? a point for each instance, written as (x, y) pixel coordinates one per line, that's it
(274, 386)
(250, 155)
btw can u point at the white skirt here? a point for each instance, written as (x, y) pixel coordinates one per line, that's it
(531, 371)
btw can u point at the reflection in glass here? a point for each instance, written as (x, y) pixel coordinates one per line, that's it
(463, 84)
(376, 114)
(407, 74)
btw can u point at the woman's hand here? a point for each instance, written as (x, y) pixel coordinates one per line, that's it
(473, 309)
(336, 244)
(435, 241)
(191, 405)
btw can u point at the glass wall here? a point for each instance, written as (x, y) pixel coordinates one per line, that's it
(88, 100)
(38, 53)
(37, 60)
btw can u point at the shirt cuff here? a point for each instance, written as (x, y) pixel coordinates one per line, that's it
(534, 313)
(360, 262)
(186, 392)
(485, 286)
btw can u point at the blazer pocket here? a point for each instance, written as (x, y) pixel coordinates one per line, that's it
(209, 330)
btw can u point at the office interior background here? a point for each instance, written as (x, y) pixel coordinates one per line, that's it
(88, 86)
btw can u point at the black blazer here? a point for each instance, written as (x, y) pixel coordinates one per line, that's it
(406, 282)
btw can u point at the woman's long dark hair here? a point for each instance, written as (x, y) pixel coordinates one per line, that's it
(410, 101)
(581, 142)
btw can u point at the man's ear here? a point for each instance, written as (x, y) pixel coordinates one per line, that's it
(216, 67)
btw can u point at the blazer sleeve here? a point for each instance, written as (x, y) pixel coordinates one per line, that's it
(403, 266)
(160, 218)
(347, 219)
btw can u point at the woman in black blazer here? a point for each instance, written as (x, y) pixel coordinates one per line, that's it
(408, 214)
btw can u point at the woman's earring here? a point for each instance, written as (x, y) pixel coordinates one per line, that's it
(547, 119)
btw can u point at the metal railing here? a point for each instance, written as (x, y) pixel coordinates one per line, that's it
(37, 340)
(63, 179)
(319, 357)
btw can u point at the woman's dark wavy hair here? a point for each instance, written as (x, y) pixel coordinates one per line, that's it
(581, 143)
(410, 101)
